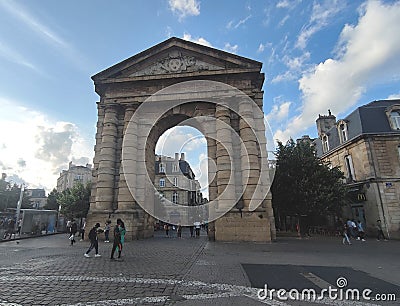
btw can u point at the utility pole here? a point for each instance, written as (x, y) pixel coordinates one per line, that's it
(19, 205)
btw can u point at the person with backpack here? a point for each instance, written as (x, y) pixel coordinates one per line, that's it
(94, 243)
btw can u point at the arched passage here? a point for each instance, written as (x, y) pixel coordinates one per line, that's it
(218, 93)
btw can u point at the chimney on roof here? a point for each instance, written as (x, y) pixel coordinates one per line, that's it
(176, 156)
(325, 123)
(182, 156)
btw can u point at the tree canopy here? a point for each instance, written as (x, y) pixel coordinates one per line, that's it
(303, 184)
(9, 196)
(52, 200)
(75, 201)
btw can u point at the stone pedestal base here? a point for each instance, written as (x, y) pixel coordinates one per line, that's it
(138, 224)
(250, 226)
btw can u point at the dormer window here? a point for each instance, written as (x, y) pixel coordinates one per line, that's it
(342, 129)
(325, 143)
(395, 119)
(393, 115)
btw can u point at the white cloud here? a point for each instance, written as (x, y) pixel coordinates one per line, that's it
(180, 139)
(233, 49)
(242, 21)
(184, 8)
(199, 40)
(14, 56)
(286, 4)
(46, 34)
(36, 148)
(369, 55)
(279, 112)
(295, 65)
(283, 21)
(261, 48)
(322, 13)
(238, 24)
(34, 24)
(394, 96)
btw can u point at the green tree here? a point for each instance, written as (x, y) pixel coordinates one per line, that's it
(75, 201)
(9, 196)
(52, 200)
(304, 185)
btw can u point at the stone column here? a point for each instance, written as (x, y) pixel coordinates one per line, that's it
(224, 156)
(249, 153)
(105, 200)
(209, 131)
(125, 200)
(97, 147)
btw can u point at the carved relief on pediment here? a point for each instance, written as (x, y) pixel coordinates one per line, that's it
(176, 62)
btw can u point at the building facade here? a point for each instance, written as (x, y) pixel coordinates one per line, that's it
(176, 184)
(37, 197)
(75, 174)
(366, 147)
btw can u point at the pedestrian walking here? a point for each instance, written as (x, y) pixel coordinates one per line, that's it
(19, 227)
(73, 229)
(117, 239)
(197, 226)
(122, 232)
(83, 230)
(380, 231)
(346, 232)
(191, 228)
(360, 230)
(166, 228)
(179, 231)
(94, 242)
(107, 229)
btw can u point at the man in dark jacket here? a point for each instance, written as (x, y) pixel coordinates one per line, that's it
(94, 243)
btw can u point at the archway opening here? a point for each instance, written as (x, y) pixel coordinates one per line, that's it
(181, 172)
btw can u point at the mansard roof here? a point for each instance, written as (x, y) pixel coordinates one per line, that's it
(176, 57)
(370, 118)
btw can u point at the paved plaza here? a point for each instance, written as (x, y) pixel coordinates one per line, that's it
(193, 271)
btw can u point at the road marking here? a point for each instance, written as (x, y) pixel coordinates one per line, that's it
(317, 280)
(5, 303)
(226, 290)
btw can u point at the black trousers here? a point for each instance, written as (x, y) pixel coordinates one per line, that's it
(116, 244)
(95, 245)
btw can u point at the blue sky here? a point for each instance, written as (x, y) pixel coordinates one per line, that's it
(316, 55)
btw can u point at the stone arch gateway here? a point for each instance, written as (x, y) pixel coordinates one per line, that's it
(182, 83)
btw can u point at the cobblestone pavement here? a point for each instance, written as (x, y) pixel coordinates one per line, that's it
(191, 271)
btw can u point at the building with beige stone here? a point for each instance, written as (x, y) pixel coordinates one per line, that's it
(176, 182)
(365, 145)
(75, 174)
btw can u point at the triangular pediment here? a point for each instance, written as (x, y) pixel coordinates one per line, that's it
(176, 56)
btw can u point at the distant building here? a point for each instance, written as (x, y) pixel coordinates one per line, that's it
(74, 174)
(37, 197)
(176, 182)
(365, 145)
